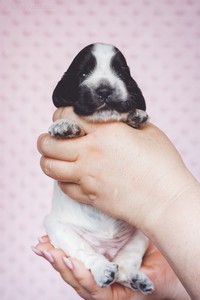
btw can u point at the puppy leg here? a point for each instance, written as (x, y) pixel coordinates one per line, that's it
(65, 238)
(65, 128)
(129, 259)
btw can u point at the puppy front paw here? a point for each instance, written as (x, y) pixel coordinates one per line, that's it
(65, 128)
(104, 274)
(138, 118)
(137, 281)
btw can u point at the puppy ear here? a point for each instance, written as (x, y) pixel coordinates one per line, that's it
(138, 96)
(119, 64)
(66, 93)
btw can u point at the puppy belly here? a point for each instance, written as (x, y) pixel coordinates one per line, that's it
(107, 247)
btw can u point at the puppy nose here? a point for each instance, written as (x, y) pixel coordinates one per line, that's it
(104, 92)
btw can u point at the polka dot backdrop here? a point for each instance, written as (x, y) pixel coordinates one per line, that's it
(161, 41)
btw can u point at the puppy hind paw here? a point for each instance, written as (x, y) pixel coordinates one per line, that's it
(105, 275)
(65, 129)
(141, 282)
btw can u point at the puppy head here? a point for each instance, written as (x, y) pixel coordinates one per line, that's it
(97, 80)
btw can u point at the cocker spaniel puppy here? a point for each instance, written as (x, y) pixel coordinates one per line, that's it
(100, 88)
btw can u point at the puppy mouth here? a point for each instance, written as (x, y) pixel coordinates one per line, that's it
(120, 106)
(91, 102)
(102, 106)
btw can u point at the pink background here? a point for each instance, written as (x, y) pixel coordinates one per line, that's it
(38, 40)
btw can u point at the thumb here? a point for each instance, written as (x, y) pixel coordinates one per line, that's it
(68, 113)
(83, 276)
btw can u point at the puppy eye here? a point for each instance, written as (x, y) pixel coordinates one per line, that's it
(119, 73)
(123, 72)
(84, 75)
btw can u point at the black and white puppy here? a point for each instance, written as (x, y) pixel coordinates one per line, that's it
(100, 88)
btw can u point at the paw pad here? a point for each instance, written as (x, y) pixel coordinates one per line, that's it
(106, 274)
(141, 282)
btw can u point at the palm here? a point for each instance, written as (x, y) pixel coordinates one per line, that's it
(154, 265)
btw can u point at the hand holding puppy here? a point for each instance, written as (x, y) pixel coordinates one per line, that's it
(137, 161)
(144, 164)
(73, 272)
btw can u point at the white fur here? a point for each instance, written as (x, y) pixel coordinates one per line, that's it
(98, 247)
(103, 72)
(108, 116)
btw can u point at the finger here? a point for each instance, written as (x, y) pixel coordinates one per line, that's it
(40, 248)
(84, 277)
(66, 273)
(60, 170)
(65, 112)
(68, 112)
(62, 149)
(58, 114)
(74, 191)
(44, 239)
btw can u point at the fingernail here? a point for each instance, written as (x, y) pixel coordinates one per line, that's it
(48, 256)
(36, 251)
(41, 240)
(68, 263)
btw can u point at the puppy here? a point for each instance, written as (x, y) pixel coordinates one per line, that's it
(100, 88)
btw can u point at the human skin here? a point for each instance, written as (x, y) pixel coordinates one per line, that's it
(146, 184)
(167, 286)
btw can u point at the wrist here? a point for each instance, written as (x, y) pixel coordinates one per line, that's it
(170, 197)
(175, 231)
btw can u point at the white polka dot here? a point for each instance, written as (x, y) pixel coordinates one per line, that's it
(39, 39)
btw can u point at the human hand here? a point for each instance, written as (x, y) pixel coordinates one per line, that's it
(146, 184)
(167, 285)
(125, 172)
